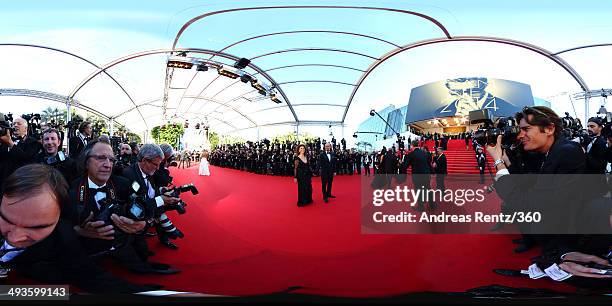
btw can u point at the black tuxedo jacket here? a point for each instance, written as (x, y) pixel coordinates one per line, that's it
(596, 158)
(327, 166)
(75, 146)
(19, 155)
(133, 174)
(419, 161)
(77, 211)
(60, 259)
(441, 166)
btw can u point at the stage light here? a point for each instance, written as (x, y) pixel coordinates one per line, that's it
(179, 64)
(202, 67)
(228, 72)
(245, 78)
(182, 54)
(260, 87)
(275, 99)
(242, 63)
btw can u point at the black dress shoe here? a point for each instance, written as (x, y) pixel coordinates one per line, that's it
(331, 196)
(169, 244)
(150, 234)
(325, 200)
(174, 234)
(518, 241)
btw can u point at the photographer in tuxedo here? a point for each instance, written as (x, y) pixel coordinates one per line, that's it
(164, 227)
(102, 231)
(142, 174)
(78, 143)
(39, 245)
(327, 166)
(52, 156)
(16, 149)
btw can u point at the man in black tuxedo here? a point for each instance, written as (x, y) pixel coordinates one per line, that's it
(327, 166)
(41, 246)
(52, 156)
(419, 160)
(541, 131)
(102, 231)
(142, 174)
(441, 169)
(17, 149)
(77, 143)
(164, 227)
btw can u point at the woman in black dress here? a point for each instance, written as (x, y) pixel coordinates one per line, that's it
(302, 175)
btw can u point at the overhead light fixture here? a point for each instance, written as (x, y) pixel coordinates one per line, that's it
(275, 99)
(372, 113)
(202, 67)
(242, 63)
(354, 135)
(245, 78)
(179, 64)
(182, 53)
(228, 72)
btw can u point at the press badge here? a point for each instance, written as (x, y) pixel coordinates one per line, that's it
(135, 186)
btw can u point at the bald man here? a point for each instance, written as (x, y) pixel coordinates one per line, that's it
(40, 245)
(17, 149)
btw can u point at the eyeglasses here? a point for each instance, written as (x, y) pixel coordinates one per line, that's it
(102, 158)
(152, 163)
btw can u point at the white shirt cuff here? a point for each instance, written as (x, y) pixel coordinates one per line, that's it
(501, 173)
(159, 201)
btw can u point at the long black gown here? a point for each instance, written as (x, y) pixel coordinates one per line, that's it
(303, 175)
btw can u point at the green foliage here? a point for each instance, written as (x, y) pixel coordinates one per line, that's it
(213, 138)
(169, 133)
(306, 137)
(133, 137)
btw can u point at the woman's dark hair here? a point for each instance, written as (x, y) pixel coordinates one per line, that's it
(297, 149)
(542, 117)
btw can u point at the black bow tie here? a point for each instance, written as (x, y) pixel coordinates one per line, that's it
(96, 190)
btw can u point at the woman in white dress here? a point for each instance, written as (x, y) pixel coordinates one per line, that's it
(204, 164)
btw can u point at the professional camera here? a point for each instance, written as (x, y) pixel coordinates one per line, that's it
(606, 116)
(34, 127)
(6, 124)
(73, 127)
(176, 192)
(573, 129)
(488, 132)
(56, 159)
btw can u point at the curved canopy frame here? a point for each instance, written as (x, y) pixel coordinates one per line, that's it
(167, 51)
(539, 50)
(22, 92)
(69, 101)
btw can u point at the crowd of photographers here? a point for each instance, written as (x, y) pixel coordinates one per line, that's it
(567, 185)
(61, 212)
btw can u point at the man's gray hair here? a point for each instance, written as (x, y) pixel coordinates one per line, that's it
(150, 151)
(167, 149)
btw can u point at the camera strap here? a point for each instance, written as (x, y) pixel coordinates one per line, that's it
(84, 188)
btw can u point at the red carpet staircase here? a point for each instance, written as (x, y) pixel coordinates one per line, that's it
(459, 160)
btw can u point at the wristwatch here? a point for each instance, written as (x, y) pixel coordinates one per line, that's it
(497, 162)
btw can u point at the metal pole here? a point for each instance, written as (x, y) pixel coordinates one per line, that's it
(68, 118)
(586, 109)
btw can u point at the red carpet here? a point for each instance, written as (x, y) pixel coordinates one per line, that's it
(245, 235)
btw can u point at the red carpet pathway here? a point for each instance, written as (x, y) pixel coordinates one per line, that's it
(245, 235)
